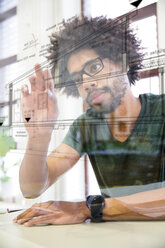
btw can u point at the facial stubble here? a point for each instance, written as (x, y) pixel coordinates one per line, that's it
(116, 93)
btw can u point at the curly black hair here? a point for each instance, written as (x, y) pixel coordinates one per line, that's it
(109, 38)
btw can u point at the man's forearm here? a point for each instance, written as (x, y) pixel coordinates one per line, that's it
(34, 170)
(141, 206)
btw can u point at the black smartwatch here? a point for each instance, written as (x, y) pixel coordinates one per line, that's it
(96, 204)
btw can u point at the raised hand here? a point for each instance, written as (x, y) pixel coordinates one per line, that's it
(56, 213)
(39, 108)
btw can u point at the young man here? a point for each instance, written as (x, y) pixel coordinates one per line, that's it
(122, 135)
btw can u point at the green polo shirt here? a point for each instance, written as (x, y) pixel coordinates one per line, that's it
(137, 161)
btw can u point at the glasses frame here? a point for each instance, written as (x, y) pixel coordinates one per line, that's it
(82, 72)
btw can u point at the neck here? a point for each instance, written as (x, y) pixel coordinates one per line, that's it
(123, 119)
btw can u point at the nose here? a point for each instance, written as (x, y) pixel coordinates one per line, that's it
(89, 83)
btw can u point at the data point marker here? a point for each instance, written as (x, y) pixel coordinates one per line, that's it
(136, 3)
(27, 119)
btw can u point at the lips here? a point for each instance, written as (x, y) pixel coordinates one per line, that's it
(96, 97)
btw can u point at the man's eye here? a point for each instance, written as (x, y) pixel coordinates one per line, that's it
(94, 68)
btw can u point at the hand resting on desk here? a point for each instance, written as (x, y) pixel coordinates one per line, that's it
(52, 212)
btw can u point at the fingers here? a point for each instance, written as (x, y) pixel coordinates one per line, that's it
(40, 83)
(32, 80)
(37, 216)
(32, 213)
(22, 221)
(36, 210)
(48, 79)
(24, 215)
(24, 90)
(46, 219)
(42, 80)
(28, 213)
(54, 219)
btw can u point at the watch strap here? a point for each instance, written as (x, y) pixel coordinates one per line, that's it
(96, 204)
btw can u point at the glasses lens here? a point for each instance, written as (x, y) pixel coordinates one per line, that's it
(93, 67)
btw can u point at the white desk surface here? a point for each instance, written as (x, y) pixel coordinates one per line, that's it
(141, 234)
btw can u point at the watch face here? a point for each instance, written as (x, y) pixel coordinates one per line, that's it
(95, 201)
(98, 200)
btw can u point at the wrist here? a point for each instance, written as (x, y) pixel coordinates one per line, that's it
(39, 143)
(84, 210)
(40, 137)
(112, 208)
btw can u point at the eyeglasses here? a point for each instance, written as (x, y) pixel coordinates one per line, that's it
(91, 68)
